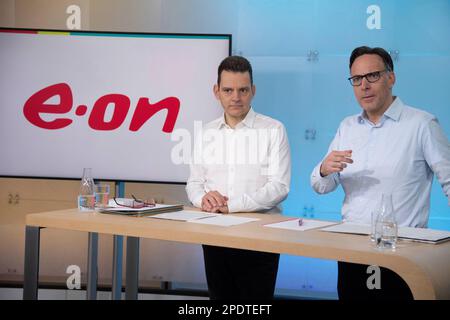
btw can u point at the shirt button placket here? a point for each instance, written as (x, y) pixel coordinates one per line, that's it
(231, 167)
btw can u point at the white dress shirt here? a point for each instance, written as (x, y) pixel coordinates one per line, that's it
(398, 155)
(249, 164)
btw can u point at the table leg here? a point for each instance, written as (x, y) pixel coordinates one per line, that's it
(91, 289)
(132, 272)
(116, 293)
(31, 268)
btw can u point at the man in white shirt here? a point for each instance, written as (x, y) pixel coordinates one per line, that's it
(388, 148)
(241, 163)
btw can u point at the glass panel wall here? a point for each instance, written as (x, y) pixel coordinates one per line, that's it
(299, 50)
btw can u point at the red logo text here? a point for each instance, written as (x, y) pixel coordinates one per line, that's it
(36, 105)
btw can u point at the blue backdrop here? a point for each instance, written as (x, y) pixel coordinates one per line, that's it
(299, 50)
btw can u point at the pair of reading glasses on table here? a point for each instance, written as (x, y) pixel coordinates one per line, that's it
(135, 203)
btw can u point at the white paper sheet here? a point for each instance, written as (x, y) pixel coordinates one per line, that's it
(184, 215)
(224, 220)
(415, 234)
(423, 234)
(293, 224)
(349, 227)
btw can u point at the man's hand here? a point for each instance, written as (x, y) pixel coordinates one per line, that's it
(223, 209)
(213, 201)
(335, 162)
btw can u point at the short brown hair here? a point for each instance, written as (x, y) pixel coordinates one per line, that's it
(235, 64)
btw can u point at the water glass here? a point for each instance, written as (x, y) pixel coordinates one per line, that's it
(86, 202)
(386, 235)
(101, 192)
(386, 225)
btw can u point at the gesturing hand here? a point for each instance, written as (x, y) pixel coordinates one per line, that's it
(336, 161)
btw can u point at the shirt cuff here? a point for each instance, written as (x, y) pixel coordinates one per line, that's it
(323, 182)
(197, 201)
(234, 205)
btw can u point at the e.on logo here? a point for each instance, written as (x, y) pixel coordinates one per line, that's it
(36, 105)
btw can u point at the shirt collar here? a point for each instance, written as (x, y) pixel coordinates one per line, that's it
(395, 109)
(393, 112)
(221, 122)
(248, 121)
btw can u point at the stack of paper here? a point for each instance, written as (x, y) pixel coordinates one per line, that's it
(414, 234)
(113, 208)
(423, 235)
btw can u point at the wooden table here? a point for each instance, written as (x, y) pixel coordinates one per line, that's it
(424, 267)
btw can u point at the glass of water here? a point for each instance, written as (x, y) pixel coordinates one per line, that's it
(101, 193)
(385, 224)
(86, 202)
(386, 235)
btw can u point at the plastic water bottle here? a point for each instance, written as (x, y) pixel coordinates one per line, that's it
(86, 197)
(386, 225)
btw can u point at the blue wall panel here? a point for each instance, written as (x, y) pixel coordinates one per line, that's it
(312, 93)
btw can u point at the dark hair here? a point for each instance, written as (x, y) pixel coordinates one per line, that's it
(235, 64)
(383, 54)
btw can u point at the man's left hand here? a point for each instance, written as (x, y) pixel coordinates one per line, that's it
(222, 209)
(217, 209)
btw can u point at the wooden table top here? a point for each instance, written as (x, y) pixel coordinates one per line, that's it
(424, 267)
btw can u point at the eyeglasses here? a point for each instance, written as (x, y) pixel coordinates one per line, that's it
(135, 203)
(371, 77)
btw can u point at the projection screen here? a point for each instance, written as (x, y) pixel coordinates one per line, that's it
(123, 104)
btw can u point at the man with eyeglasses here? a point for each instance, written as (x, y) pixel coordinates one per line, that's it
(388, 148)
(244, 167)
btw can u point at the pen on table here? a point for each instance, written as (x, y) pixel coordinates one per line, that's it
(300, 222)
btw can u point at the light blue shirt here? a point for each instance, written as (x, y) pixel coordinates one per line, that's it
(398, 155)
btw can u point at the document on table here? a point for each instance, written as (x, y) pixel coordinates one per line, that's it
(113, 208)
(184, 215)
(423, 235)
(349, 227)
(293, 224)
(224, 220)
(407, 233)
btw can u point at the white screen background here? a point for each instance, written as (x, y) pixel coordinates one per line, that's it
(93, 66)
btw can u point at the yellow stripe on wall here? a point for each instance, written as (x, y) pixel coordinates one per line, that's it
(54, 33)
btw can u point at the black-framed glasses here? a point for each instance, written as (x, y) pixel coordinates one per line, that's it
(135, 203)
(370, 77)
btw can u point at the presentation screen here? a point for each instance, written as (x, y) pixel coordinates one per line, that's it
(124, 104)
